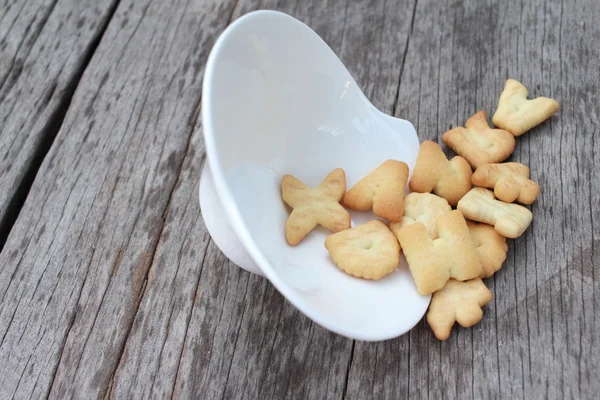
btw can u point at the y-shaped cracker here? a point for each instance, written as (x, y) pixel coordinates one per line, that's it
(491, 247)
(510, 182)
(457, 301)
(424, 208)
(367, 251)
(433, 262)
(382, 190)
(448, 179)
(509, 220)
(478, 143)
(516, 114)
(314, 206)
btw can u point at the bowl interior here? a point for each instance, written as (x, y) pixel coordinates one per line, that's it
(277, 100)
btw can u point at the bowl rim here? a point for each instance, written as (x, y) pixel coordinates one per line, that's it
(232, 212)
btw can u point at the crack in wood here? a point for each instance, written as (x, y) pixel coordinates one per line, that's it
(48, 134)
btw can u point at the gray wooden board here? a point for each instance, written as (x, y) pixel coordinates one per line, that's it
(44, 46)
(111, 286)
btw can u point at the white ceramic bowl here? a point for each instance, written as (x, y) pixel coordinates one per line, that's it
(277, 100)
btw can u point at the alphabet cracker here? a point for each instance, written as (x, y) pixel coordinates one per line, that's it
(478, 143)
(433, 172)
(509, 220)
(433, 262)
(517, 114)
(312, 207)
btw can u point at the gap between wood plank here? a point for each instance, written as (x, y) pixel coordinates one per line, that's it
(48, 135)
(412, 24)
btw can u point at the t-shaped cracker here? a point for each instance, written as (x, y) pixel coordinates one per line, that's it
(433, 262)
(457, 302)
(367, 251)
(491, 247)
(509, 220)
(510, 182)
(516, 114)
(433, 172)
(424, 208)
(314, 206)
(478, 143)
(382, 190)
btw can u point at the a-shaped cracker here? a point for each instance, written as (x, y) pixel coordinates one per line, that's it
(457, 302)
(510, 182)
(312, 207)
(424, 208)
(367, 251)
(382, 190)
(433, 172)
(509, 220)
(516, 114)
(478, 143)
(433, 262)
(491, 247)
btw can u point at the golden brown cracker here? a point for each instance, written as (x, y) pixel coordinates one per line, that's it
(491, 247)
(509, 220)
(368, 251)
(478, 143)
(433, 172)
(510, 182)
(433, 262)
(457, 302)
(517, 114)
(314, 206)
(424, 208)
(382, 190)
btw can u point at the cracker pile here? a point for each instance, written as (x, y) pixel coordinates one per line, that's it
(449, 251)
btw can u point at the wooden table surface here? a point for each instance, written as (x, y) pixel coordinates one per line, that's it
(110, 285)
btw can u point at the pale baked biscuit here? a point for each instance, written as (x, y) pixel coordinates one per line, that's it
(433, 172)
(312, 207)
(478, 143)
(491, 247)
(510, 182)
(368, 251)
(509, 220)
(433, 262)
(516, 114)
(457, 302)
(382, 190)
(424, 208)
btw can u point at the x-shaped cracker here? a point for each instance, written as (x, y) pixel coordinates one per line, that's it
(509, 220)
(314, 206)
(510, 182)
(478, 143)
(433, 172)
(517, 114)
(457, 302)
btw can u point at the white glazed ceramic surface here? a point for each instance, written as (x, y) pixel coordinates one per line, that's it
(277, 100)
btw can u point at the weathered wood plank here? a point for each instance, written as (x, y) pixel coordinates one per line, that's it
(75, 265)
(44, 48)
(538, 338)
(110, 285)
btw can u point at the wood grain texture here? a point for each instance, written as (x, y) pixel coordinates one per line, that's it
(44, 47)
(538, 337)
(111, 287)
(75, 266)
